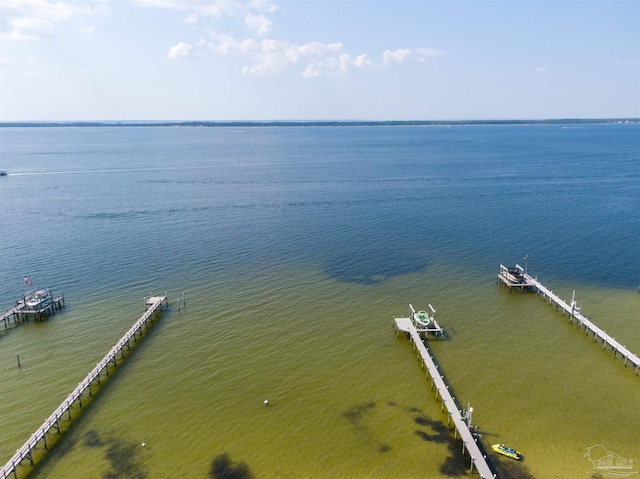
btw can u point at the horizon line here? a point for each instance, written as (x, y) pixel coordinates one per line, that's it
(311, 122)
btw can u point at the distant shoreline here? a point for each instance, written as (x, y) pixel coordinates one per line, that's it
(90, 124)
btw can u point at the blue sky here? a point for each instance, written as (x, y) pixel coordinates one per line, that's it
(318, 59)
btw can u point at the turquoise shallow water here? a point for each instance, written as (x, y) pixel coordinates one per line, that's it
(295, 248)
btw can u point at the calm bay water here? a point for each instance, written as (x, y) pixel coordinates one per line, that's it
(295, 248)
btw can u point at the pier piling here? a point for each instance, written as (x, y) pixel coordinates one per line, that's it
(152, 305)
(519, 279)
(461, 424)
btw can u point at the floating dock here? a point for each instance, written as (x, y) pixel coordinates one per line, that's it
(461, 418)
(54, 421)
(22, 312)
(519, 278)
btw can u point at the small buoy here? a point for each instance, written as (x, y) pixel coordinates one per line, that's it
(144, 444)
(266, 402)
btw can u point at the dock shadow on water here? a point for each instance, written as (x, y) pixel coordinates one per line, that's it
(456, 465)
(362, 418)
(222, 467)
(432, 430)
(372, 265)
(511, 469)
(124, 456)
(356, 416)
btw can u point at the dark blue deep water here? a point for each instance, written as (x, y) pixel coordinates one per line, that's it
(367, 203)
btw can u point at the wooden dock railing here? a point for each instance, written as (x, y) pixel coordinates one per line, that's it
(53, 421)
(525, 281)
(478, 460)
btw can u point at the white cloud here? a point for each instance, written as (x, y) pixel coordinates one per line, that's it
(396, 56)
(37, 19)
(228, 46)
(271, 57)
(424, 53)
(348, 64)
(191, 19)
(258, 24)
(210, 8)
(29, 29)
(180, 50)
(541, 70)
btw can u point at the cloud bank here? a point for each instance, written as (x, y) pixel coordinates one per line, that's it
(270, 56)
(255, 52)
(25, 20)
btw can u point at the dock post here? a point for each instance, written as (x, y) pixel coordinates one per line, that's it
(18, 356)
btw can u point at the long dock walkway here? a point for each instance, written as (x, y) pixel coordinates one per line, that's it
(53, 421)
(519, 278)
(469, 442)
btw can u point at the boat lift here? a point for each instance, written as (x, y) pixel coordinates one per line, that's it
(425, 321)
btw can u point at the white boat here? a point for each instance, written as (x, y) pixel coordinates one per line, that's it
(38, 300)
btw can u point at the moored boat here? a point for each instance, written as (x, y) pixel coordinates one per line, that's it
(38, 299)
(506, 451)
(3, 173)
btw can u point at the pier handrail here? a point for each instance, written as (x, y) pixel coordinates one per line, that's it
(478, 459)
(530, 283)
(25, 451)
(584, 320)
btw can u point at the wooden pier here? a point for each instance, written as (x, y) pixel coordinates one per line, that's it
(461, 418)
(135, 333)
(519, 278)
(22, 313)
